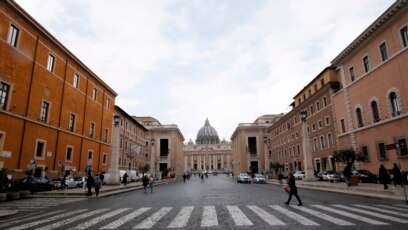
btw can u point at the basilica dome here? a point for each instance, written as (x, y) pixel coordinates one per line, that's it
(207, 135)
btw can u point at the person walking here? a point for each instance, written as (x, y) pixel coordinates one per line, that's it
(293, 190)
(347, 174)
(396, 175)
(280, 177)
(151, 183)
(97, 184)
(125, 176)
(89, 184)
(383, 176)
(202, 178)
(184, 177)
(145, 182)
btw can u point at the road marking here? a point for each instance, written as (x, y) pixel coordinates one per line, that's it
(383, 210)
(71, 220)
(378, 215)
(25, 218)
(264, 215)
(351, 215)
(99, 219)
(125, 219)
(293, 215)
(153, 219)
(32, 224)
(182, 218)
(324, 216)
(238, 216)
(209, 217)
(402, 206)
(392, 207)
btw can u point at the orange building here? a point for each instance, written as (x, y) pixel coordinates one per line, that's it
(55, 113)
(371, 106)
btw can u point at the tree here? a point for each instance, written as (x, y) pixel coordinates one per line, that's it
(144, 168)
(349, 155)
(275, 166)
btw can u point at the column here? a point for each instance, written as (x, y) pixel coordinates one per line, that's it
(222, 162)
(192, 162)
(205, 168)
(199, 162)
(185, 163)
(307, 155)
(113, 167)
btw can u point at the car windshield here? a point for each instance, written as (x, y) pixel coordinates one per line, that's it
(365, 172)
(243, 174)
(259, 176)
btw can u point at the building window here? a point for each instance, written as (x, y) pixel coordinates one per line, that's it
(164, 147)
(90, 155)
(330, 140)
(4, 94)
(106, 135)
(51, 63)
(2, 137)
(384, 52)
(92, 130)
(324, 101)
(13, 35)
(121, 143)
(402, 146)
(68, 155)
(108, 103)
(352, 74)
(316, 146)
(313, 127)
(395, 106)
(381, 150)
(320, 124)
(327, 120)
(364, 152)
(104, 159)
(374, 108)
(404, 36)
(343, 126)
(94, 94)
(318, 105)
(359, 118)
(71, 125)
(366, 63)
(76, 81)
(322, 142)
(311, 109)
(40, 149)
(44, 111)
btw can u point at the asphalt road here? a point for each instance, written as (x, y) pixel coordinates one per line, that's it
(219, 203)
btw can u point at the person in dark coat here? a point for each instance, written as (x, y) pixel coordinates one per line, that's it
(383, 176)
(293, 190)
(145, 182)
(347, 174)
(125, 176)
(280, 177)
(397, 175)
(89, 184)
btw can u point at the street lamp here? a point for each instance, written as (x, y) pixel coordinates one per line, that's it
(307, 155)
(116, 120)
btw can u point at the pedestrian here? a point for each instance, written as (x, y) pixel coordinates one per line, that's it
(63, 182)
(347, 174)
(125, 176)
(89, 184)
(151, 183)
(97, 184)
(101, 177)
(145, 182)
(184, 178)
(293, 190)
(396, 175)
(280, 177)
(383, 176)
(202, 178)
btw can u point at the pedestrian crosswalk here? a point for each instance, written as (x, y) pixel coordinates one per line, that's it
(208, 216)
(37, 203)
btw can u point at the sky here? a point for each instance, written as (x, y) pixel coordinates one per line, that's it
(182, 61)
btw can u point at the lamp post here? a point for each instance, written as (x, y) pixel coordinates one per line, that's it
(307, 155)
(113, 167)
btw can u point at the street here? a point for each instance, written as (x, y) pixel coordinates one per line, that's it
(219, 203)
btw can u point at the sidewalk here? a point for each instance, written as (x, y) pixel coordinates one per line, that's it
(362, 189)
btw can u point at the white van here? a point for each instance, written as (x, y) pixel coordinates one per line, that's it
(132, 176)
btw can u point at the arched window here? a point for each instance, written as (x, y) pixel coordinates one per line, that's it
(359, 117)
(374, 108)
(396, 109)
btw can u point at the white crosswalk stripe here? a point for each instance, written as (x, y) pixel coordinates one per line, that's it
(38, 203)
(238, 216)
(351, 215)
(58, 217)
(266, 216)
(326, 217)
(383, 210)
(125, 219)
(378, 215)
(181, 217)
(99, 219)
(153, 219)
(392, 207)
(293, 215)
(209, 217)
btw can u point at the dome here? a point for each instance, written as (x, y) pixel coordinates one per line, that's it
(207, 134)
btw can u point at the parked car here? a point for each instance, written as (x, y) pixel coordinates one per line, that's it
(79, 181)
(328, 175)
(215, 173)
(259, 179)
(69, 182)
(36, 184)
(365, 176)
(243, 178)
(299, 175)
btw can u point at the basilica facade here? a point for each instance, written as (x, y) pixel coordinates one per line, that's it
(208, 153)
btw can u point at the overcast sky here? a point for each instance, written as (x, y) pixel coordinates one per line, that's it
(183, 61)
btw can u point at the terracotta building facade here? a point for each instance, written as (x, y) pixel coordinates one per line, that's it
(371, 106)
(55, 113)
